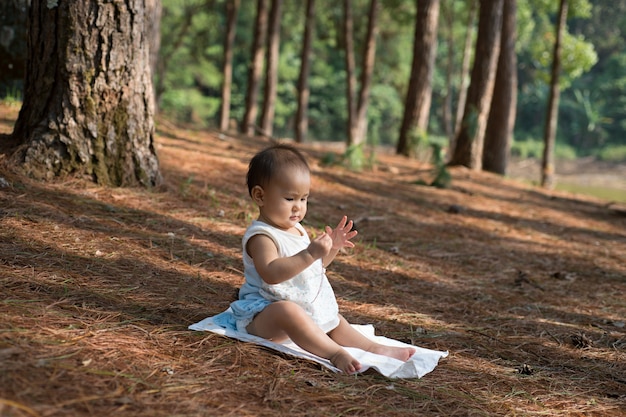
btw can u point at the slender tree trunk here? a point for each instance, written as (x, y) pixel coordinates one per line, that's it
(418, 98)
(302, 121)
(547, 166)
(154, 9)
(502, 115)
(446, 113)
(255, 70)
(465, 69)
(87, 106)
(232, 8)
(369, 57)
(271, 71)
(470, 139)
(350, 69)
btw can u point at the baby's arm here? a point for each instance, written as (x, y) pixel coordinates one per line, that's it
(340, 237)
(274, 269)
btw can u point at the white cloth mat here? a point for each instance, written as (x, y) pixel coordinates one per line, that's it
(421, 363)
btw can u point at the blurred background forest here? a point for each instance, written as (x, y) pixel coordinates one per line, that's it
(188, 75)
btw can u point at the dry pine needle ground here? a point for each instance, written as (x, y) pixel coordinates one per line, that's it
(525, 288)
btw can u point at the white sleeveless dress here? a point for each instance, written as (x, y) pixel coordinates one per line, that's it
(310, 289)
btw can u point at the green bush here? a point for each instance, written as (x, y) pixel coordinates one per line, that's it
(532, 148)
(612, 153)
(529, 148)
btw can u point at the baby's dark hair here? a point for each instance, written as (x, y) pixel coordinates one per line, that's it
(265, 164)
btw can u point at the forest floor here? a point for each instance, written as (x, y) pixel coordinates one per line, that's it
(524, 287)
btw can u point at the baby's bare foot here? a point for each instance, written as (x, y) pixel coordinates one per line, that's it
(400, 353)
(345, 362)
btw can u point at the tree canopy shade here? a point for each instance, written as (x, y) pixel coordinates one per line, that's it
(88, 100)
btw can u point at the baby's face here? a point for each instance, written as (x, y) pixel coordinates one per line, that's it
(284, 200)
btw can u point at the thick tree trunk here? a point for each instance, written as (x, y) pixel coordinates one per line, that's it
(302, 121)
(502, 115)
(88, 93)
(419, 94)
(271, 71)
(256, 68)
(547, 166)
(232, 8)
(369, 57)
(470, 139)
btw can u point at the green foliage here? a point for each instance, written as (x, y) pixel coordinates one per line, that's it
(525, 149)
(533, 148)
(12, 97)
(612, 153)
(442, 175)
(592, 112)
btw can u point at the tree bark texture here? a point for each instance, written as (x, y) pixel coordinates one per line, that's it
(256, 68)
(503, 106)
(232, 9)
(465, 68)
(446, 111)
(547, 165)
(88, 93)
(302, 121)
(369, 57)
(271, 70)
(350, 69)
(419, 94)
(470, 139)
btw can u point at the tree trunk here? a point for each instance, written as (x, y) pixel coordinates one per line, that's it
(350, 69)
(502, 115)
(547, 166)
(470, 139)
(465, 68)
(256, 67)
(418, 98)
(302, 121)
(369, 57)
(88, 94)
(154, 10)
(271, 71)
(232, 8)
(446, 112)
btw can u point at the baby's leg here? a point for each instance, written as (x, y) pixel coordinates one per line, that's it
(346, 335)
(284, 319)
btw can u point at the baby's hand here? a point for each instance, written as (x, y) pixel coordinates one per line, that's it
(320, 246)
(342, 234)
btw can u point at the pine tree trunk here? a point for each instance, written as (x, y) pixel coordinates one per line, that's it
(350, 70)
(87, 106)
(271, 71)
(302, 121)
(446, 111)
(419, 94)
(232, 8)
(256, 68)
(369, 57)
(547, 166)
(465, 67)
(502, 115)
(470, 139)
